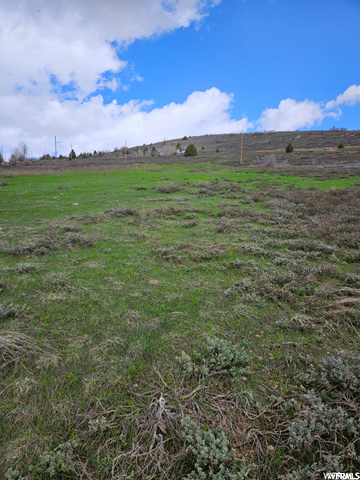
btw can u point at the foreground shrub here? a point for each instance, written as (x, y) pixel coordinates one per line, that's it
(211, 456)
(220, 356)
(340, 371)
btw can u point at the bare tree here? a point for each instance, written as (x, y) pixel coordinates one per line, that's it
(21, 152)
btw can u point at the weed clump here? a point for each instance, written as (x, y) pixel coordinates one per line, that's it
(14, 347)
(299, 322)
(39, 247)
(167, 188)
(57, 461)
(24, 267)
(121, 212)
(220, 356)
(76, 239)
(339, 371)
(211, 457)
(8, 310)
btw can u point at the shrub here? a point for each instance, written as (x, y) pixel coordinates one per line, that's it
(8, 310)
(220, 356)
(211, 456)
(153, 152)
(38, 247)
(339, 370)
(190, 151)
(121, 212)
(289, 148)
(60, 460)
(167, 188)
(341, 145)
(72, 154)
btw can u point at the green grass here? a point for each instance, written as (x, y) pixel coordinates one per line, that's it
(105, 280)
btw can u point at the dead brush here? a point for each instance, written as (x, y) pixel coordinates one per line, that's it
(38, 247)
(9, 310)
(167, 188)
(73, 239)
(160, 212)
(225, 226)
(121, 212)
(14, 347)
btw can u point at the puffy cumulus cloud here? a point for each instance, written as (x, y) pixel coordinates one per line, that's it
(92, 125)
(351, 97)
(73, 42)
(292, 115)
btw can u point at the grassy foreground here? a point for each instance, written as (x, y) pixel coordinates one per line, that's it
(179, 322)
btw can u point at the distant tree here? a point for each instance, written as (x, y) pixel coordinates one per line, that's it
(185, 137)
(21, 152)
(217, 150)
(289, 148)
(190, 151)
(341, 145)
(145, 151)
(72, 155)
(95, 152)
(202, 147)
(153, 151)
(178, 146)
(13, 160)
(1, 158)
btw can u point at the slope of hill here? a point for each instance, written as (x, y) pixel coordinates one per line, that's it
(315, 149)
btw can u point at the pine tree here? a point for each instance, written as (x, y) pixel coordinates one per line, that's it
(289, 148)
(190, 151)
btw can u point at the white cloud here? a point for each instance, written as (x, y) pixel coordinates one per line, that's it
(351, 97)
(292, 115)
(91, 125)
(75, 41)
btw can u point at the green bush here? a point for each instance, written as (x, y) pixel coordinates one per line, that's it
(221, 356)
(289, 148)
(341, 145)
(190, 151)
(212, 458)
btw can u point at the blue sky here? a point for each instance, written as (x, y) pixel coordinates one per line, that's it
(99, 73)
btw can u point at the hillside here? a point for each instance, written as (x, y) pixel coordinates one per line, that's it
(315, 149)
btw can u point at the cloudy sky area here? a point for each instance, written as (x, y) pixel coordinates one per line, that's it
(97, 74)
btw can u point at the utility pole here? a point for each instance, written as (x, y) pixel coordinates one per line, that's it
(241, 154)
(55, 152)
(125, 149)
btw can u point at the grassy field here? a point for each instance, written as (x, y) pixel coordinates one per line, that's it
(193, 321)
